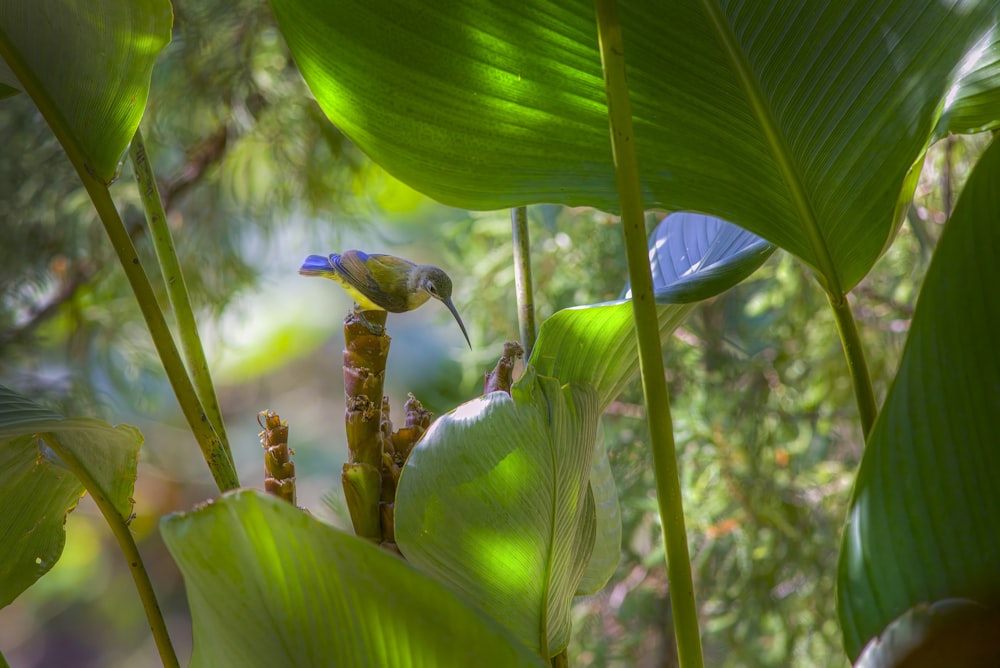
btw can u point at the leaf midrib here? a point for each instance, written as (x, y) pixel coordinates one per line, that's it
(775, 140)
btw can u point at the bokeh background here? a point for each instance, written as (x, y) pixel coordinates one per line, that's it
(255, 178)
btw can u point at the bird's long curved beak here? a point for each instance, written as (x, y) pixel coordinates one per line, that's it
(454, 312)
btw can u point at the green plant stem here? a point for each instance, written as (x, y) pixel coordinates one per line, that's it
(864, 394)
(177, 291)
(682, 601)
(123, 535)
(522, 278)
(217, 457)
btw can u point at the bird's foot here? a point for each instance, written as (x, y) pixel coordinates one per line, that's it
(376, 330)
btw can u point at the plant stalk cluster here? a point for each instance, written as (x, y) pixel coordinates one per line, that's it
(279, 470)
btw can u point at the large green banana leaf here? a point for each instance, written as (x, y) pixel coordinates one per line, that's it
(799, 121)
(87, 66)
(924, 522)
(495, 501)
(269, 585)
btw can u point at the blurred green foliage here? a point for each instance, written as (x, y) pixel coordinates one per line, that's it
(238, 145)
(254, 179)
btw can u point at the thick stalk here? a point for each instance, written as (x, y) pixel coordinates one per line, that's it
(864, 394)
(177, 291)
(396, 448)
(682, 601)
(522, 278)
(365, 356)
(123, 535)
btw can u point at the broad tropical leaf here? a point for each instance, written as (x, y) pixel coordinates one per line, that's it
(269, 585)
(495, 502)
(694, 257)
(44, 457)
(797, 121)
(596, 344)
(924, 522)
(87, 66)
(37, 494)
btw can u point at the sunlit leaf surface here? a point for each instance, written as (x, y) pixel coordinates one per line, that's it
(90, 63)
(495, 501)
(269, 585)
(972, 103)
(797, 121)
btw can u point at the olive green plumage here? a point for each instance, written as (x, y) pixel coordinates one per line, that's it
(379, 282)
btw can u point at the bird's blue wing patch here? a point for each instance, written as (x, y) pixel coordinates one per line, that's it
(316, 265)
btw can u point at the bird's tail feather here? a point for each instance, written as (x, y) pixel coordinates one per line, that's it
(316, 265)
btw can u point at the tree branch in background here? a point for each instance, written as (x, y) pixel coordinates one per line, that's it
(201, 157)
(73, 277)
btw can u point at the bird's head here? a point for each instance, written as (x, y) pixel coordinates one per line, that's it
(435, 282)
(438, 285)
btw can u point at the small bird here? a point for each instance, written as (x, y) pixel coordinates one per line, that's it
(380, 282)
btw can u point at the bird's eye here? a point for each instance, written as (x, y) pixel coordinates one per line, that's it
(432, 289)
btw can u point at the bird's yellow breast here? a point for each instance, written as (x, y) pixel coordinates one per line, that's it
(364, 302)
